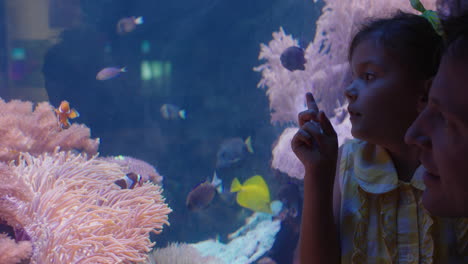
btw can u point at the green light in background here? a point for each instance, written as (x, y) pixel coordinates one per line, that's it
(167, 68)
(145, 46)
(146, 73)
(157, 67)
(155, 70)
(18, 54)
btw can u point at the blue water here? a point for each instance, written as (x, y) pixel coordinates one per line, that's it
(197, 55)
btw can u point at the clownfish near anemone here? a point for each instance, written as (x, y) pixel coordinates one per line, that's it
(64, 113)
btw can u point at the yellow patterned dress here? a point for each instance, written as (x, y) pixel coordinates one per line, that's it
(382, 219)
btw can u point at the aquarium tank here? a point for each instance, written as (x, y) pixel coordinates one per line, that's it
(142, 131)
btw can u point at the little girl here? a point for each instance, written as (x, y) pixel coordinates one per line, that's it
(371, 212)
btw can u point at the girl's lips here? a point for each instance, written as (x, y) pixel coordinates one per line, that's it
(430, 179)
(353, 115)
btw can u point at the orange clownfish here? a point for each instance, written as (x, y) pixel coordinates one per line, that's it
(64, 113)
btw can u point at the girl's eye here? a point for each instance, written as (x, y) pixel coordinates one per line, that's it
(367, 76)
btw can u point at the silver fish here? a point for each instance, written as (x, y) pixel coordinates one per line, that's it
(109, 73)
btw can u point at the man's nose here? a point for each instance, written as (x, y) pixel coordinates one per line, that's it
(415, 135)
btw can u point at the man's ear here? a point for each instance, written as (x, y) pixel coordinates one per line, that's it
(425, 94)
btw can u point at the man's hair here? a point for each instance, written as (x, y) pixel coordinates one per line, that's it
(456, 37)
(409, 38)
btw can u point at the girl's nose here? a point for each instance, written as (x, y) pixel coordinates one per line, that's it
(351, 92)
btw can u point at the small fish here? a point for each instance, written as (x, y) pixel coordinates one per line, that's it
(202, 195)
(172, 112)
(293, 58)
(129, 181)
(109, 73)
(128, 24)
(64, 113)
(233, 150)
(253, 194)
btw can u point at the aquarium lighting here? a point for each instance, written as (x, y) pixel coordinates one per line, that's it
(18, 54)
(155, 70)
(146, 73)
(145, 46)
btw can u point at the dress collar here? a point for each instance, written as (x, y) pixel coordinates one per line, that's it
(375, 171)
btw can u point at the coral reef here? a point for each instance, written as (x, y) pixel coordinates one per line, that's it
(247, 244)
(326, 72)
(180, 253)
(58, 200)
(77, 214)
(38, 131)
(12, 252)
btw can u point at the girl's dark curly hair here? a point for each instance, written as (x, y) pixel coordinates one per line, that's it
(409, 38)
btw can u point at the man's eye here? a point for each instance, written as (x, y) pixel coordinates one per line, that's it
(445, 120)
(442, 119)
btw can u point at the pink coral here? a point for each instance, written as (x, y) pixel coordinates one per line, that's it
(64, 207)
(76, 214)
(38, 131)
(12, 252)
(129, 164)
(180, 253)
(12, 191)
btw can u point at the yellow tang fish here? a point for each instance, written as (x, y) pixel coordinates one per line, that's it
(253, 194)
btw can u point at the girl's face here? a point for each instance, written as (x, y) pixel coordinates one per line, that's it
(384, 95)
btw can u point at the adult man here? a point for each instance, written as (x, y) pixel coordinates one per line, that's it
(441, 130)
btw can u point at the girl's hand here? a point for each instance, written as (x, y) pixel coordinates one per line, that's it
(316, 142)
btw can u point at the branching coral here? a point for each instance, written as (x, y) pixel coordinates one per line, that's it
(38, 131)
(76, 214)
(327, 70)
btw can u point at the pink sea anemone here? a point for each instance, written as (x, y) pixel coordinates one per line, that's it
(70, 208)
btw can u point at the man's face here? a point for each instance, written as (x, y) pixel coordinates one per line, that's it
(441, 134)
